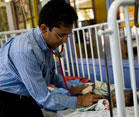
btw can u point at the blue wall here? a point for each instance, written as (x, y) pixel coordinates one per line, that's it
(125, 66)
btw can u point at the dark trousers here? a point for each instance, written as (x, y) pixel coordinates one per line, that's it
(12, 105)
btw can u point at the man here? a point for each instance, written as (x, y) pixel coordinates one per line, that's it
(27, 66)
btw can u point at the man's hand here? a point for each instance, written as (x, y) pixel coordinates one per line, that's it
(78, 89)
(87, 100)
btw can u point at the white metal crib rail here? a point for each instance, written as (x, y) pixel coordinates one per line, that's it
(5, 36)
(81, 51)
(116, 55)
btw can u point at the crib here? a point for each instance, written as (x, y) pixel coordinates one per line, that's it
(116, 56)
(83, 55)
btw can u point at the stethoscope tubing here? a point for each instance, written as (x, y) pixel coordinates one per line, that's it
(58, 55)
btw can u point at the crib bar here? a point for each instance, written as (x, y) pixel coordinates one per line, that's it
(66, 59)
(107, 74)
(80, 49)
(71, 57)
(6, 38)
(14, 32)
(131, 61)
(88, 70)
(75, 54)
(120, 55)
(116, 58)
(92, 53)
(14, 35)
(98, 52)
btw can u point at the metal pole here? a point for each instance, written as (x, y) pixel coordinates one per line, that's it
(136, 13)
(3, 18)
(36, 12)
(107, 75)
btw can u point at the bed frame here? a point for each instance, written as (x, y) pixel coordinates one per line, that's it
(83, 56)
(116, 55)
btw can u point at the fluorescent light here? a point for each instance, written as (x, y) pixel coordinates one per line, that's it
(7, 0)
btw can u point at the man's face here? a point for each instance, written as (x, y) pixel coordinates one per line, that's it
(57, 36)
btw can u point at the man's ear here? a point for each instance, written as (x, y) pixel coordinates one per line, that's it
(43, 28)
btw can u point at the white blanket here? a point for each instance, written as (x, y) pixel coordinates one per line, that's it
(104, 113)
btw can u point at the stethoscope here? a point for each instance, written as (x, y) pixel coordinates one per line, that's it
(60, 55)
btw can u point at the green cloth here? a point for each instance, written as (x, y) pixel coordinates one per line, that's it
(101, 88)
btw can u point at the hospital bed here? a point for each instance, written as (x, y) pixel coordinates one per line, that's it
(83, 56)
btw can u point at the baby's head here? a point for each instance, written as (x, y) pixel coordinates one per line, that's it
(128, 99)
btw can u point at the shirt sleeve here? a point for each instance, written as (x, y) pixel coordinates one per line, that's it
(31, 76)
(57, 79)
(59, 82)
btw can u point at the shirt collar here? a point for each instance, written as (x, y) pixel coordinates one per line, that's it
(40, 39)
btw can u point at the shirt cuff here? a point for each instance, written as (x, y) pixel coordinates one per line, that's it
(67, 101)
(69, 84)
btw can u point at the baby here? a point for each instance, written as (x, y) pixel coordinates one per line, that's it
(128, 96)
(128, 99)
(87, 89)
(103, 103)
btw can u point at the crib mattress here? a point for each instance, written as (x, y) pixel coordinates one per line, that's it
(104, 113)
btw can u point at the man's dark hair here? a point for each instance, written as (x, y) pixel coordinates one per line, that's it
(56, 13)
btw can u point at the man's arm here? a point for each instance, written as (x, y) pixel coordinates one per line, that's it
(31, 76)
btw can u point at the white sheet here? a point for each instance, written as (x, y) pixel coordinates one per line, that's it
(104, 113)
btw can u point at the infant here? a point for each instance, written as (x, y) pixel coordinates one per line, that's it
(128, 99)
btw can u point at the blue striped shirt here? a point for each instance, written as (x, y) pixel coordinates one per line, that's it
(27, 68)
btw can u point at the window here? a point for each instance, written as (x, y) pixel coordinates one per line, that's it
(84, 9)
